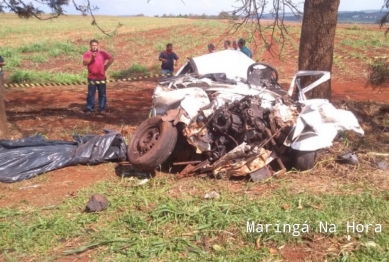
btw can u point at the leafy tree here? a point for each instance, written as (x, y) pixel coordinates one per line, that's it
(224, 15)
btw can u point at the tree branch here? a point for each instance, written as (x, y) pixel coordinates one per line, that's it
(88, 9)
(28, 10)
(250, 13)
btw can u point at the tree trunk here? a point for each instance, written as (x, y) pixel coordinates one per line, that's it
(317, 41)
(3, 117)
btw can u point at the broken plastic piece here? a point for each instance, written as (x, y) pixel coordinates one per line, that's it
(348, 158)
(212, 195)
(382, 165)
(260, 174)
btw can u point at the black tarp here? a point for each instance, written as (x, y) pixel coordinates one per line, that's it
(28, 157)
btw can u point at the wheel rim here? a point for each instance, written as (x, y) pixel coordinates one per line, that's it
(148, 140)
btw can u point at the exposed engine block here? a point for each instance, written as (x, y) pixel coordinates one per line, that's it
(240, 121)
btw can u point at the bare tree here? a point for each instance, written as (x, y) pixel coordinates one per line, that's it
(317, 31)
(385, 19)
(251, 15)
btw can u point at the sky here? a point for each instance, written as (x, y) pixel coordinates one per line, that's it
(208, 7)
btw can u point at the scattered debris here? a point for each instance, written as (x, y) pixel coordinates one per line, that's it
(370, 244)
(28, 187)
(382, 165)
(212, 195)
(348, 158)
(142, 182)
(300, 204)
(217, 247)
(96, 203)
(260, 174)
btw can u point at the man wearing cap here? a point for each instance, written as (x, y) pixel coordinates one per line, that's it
(211, 48)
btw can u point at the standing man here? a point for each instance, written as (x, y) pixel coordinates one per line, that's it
(2, 63)
(211, 48)
(244, 48)
(227, 45)
(167, 58)
(97, 62)
(235, 45)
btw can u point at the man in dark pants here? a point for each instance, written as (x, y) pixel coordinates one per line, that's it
(97, 62)
(167, 58)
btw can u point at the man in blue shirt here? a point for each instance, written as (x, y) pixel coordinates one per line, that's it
(167, 58)
(242, 46)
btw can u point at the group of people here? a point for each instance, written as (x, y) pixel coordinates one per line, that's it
(98, 61)
(239, 45)
(169, 59)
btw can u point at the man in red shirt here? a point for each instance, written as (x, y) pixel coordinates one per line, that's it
(97, 62)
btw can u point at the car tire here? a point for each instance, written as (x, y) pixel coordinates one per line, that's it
(303, 160)
(152, 143)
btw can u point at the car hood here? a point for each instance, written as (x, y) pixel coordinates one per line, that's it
(231, 62)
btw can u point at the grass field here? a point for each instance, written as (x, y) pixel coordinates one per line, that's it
(166, 219)
(33, 56)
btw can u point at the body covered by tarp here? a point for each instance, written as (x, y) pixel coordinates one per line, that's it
(28, 157)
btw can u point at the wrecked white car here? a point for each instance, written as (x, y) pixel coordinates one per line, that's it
(226, 115)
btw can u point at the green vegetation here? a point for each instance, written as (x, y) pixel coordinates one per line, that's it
(64, 40)
(38, 58)
(134, 69)
(378, 72)
(355, 27)
(30, 76)
(153, 222)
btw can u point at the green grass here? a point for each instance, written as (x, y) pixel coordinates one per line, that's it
(29, 76)
(378, 72)
(355, 27)
(155, 221)
(13, 62)
(34, 47)
(133, 69)
(38, 58)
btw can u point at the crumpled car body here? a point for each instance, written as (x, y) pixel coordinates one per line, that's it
(235, 119)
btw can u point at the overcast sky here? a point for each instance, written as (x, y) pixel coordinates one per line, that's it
(209, 7)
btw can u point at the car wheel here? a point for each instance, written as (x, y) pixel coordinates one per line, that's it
(152, 143)
(303, 160)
